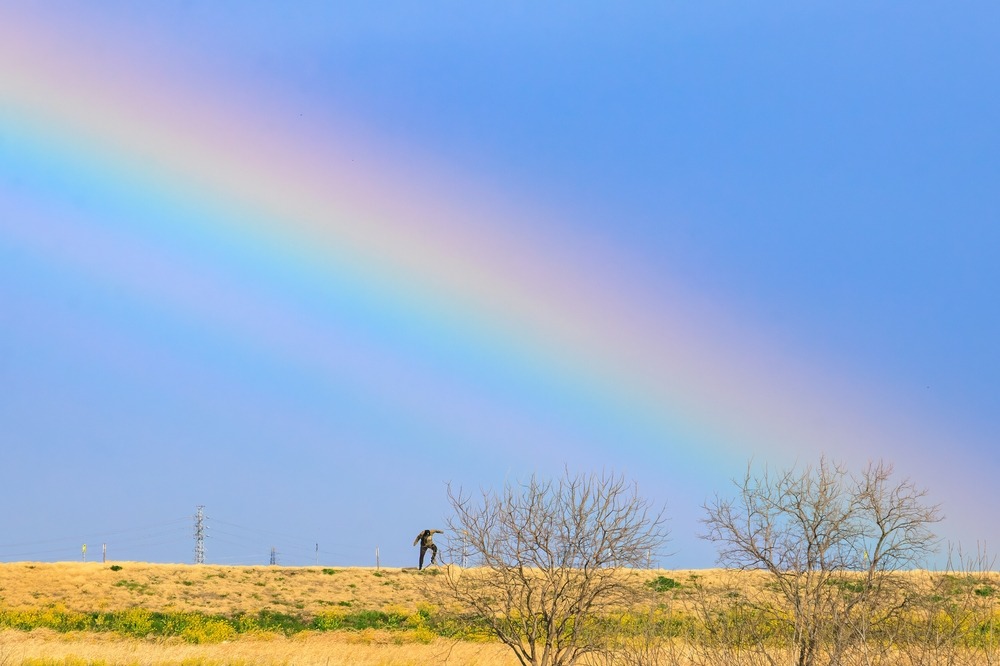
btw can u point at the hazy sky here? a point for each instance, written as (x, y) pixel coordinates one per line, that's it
(305, 264)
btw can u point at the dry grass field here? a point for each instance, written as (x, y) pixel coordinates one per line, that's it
(212, 589)
(301, 592)
(305, 592)
(50, 648)
(230, 590)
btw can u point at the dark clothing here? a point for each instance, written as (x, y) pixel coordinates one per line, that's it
(426, 540)
(424, 549)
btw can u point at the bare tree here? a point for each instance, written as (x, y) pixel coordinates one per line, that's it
(955, 620)
(830, 541)
(549, 558)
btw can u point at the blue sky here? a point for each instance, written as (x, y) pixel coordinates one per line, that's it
(803, 188)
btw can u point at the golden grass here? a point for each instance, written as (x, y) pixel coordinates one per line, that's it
(209, 589)
(369, 648)
(228, 590)
(304, 592)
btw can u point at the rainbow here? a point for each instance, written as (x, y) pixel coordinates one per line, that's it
(431, 293)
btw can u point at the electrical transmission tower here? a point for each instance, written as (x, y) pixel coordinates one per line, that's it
(274, 556)
(199, 535)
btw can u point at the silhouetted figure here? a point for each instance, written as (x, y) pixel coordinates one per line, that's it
(426, 540)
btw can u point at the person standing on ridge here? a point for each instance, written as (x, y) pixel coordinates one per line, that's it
(426, 541)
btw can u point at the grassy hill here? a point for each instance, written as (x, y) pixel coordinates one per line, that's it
(212, 589)
(115, 613)
(131, 613)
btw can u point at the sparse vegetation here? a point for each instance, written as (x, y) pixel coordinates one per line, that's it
(709, 618)
(820, 573)
(551, 557)
(662, 584)
(829, 541)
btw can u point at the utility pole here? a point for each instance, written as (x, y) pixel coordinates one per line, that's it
(199, 535)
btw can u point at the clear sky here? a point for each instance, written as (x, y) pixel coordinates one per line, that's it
(305, 264)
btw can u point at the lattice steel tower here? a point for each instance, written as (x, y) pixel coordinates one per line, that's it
(199, 535)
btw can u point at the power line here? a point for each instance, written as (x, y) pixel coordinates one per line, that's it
(93, 535)
(145, 540)
(264, 532)
(132, 538)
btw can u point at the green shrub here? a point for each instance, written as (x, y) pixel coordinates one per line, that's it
(847, 585)
(662, 584)
(274, 622)
(136, 622)
(359, 620)
(134, 586)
